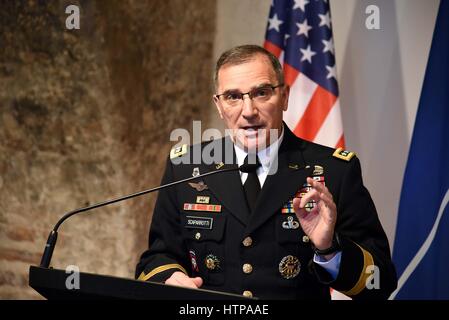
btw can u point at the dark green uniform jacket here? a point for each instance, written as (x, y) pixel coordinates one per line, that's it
(208, 232)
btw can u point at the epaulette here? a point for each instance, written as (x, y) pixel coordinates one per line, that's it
(178, 151)
(343, 154)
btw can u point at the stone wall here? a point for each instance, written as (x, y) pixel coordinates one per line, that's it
(85, 115)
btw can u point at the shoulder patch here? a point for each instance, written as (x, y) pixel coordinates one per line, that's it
(343, 154)
(178, 151)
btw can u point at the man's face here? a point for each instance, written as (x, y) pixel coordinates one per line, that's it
(251, 120)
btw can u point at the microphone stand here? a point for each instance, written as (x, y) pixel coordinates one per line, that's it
(53, 236)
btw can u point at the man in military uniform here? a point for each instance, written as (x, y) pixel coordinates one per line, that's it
(295, 223)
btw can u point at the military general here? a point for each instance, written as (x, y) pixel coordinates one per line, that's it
(295, 221)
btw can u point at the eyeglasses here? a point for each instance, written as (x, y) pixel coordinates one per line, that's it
(258, 95)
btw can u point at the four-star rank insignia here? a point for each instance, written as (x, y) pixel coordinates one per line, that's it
(343, 154)
(178, 151)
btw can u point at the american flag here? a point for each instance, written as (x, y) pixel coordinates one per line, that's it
(299, 33)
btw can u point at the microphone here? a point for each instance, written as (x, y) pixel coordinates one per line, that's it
(53, 236)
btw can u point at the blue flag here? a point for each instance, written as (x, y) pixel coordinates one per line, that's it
(421, 248)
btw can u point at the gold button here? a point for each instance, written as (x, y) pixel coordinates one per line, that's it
(247, 293)
(305, 239)
(247, 241)
(247, 268)
(197, 236)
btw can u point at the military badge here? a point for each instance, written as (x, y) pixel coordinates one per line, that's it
(343, 154)
(212, 262)
(199, 186)
(318, 174)
(289, 267)
(178, 151)
(318, 170)
(193, 261)
(196, 172)
(288, 207)
(219, 165)
(290, 223)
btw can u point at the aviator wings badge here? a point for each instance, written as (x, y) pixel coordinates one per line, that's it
(200, 186)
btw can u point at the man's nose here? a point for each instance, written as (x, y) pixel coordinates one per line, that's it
(249, 109)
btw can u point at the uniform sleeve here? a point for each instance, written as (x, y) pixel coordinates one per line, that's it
(166, 253)
(366, 270)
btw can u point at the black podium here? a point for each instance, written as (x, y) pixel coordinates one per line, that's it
(51, 284)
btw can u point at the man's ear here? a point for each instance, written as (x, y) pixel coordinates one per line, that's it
(218, 106)
(285, 95)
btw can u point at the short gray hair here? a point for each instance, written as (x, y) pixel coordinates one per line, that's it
(245, 53)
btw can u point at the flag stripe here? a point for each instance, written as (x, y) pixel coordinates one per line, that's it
(316, 112)
(274, 49)
(331, 129)
(300, 95)
(341, 142)
(290, 74)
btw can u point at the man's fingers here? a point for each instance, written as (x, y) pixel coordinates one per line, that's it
(311, 195)
(327, 199)
(319, 193)
(323, 192)
(182, 280)
(317, 185)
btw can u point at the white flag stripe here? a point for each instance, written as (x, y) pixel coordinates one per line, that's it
(300, 95)
(331, 129)
(281, 57)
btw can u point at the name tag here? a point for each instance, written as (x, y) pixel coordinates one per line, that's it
(199, 222)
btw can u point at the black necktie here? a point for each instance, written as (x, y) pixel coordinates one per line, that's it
(252, 184)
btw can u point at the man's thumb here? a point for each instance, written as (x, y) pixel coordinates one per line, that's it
(197, 281)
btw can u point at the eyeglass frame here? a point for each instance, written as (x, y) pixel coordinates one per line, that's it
(248, 93)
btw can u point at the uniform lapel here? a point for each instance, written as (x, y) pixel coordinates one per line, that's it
(281, 186)
(227, 186)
